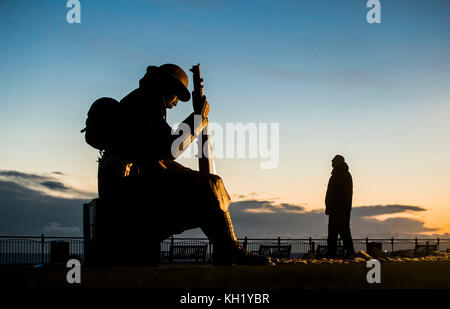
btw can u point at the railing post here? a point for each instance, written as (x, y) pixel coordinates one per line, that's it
(171, 250)
(245, 242)
(310, 244)
(392, 244)
(42, 248)
(210, 251)
(437, 244)
(279, 241)
(416, 241)
(367, 243)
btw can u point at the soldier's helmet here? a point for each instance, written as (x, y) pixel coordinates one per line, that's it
(174, 76)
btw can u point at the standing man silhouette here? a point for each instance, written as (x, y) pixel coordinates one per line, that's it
(338, 203)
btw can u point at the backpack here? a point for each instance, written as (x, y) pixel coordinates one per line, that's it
(101, 123)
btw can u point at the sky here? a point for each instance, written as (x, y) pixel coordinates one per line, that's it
(375, 93)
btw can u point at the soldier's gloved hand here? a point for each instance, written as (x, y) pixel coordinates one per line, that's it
(201, 107)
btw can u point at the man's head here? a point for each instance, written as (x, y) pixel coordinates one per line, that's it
(172, 82)
(337, 161)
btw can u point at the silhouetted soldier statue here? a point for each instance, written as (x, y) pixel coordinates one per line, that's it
(139, 166)
(338, 203)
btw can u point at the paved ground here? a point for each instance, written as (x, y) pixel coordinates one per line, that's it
(407, 273)
(362, 257)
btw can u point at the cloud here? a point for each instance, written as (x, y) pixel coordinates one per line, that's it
(249, 204)
(267, 206)
(51, 184)
(54, 185)
(25, 211)
(292, 208)
(57, 229)
(391, 227)
(58, 173)
(266, 219)
(370, 211)
(23, 176)
(251, 195)
(290, 220)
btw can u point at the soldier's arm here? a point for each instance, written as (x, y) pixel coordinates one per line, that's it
(175, 142)
(191, 128)
(172, 143)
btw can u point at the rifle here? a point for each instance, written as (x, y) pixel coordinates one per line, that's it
(205, 155)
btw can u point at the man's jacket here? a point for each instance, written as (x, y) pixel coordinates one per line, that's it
(340, 190)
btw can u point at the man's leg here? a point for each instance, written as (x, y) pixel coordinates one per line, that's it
(332, 235)
(346, 235)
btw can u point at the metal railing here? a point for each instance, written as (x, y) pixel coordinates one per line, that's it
(37, 249)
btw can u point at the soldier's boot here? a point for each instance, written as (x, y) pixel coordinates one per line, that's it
(227, 250)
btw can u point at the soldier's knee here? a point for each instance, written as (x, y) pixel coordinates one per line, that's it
(215, 178)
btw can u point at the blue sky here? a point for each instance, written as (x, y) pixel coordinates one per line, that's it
(376, 93)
